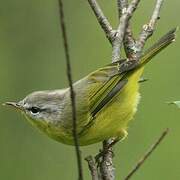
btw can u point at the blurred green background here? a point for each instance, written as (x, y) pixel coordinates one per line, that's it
(32, 58)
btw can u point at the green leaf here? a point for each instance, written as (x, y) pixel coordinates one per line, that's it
(177, 103)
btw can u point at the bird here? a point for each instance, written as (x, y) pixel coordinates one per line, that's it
(106, 101)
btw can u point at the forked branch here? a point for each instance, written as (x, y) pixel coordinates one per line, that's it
(126, 14)
(115, 36)
(129, 41)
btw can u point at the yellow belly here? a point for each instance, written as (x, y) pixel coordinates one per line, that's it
(112, 121)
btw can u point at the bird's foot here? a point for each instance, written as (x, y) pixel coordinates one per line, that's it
(107, 145)
(107, 148)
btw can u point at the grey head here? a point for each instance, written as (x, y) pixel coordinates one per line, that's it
(41, 106)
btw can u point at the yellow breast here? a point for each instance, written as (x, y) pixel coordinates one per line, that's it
(113, 119)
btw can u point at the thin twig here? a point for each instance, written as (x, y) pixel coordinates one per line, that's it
(147, 154)
(72, 93)
(103, 21)
(148, 29)
(124, 19)
(129, 41)
(92, 167)
(121, 4)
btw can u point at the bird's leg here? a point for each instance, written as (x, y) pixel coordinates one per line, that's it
(113, 142)
(121, 136)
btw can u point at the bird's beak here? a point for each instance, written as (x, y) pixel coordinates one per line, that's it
(15, 105)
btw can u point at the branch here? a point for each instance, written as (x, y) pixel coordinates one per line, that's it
(147, 154)
(106, 165)
(72, 93)
(121, 4)
(148, 29)
(124, 19)
(104, 23)
(92, 167)
(129, 41)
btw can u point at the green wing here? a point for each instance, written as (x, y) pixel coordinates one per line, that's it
(109, 96)
(107, 82)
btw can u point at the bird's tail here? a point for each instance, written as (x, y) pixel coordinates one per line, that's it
(163, 42)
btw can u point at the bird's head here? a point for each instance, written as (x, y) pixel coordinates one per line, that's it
(40, 106)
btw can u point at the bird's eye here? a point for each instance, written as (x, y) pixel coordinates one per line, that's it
(34, 110)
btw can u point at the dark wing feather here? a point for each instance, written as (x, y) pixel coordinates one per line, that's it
(108, 82)
(120, 84)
